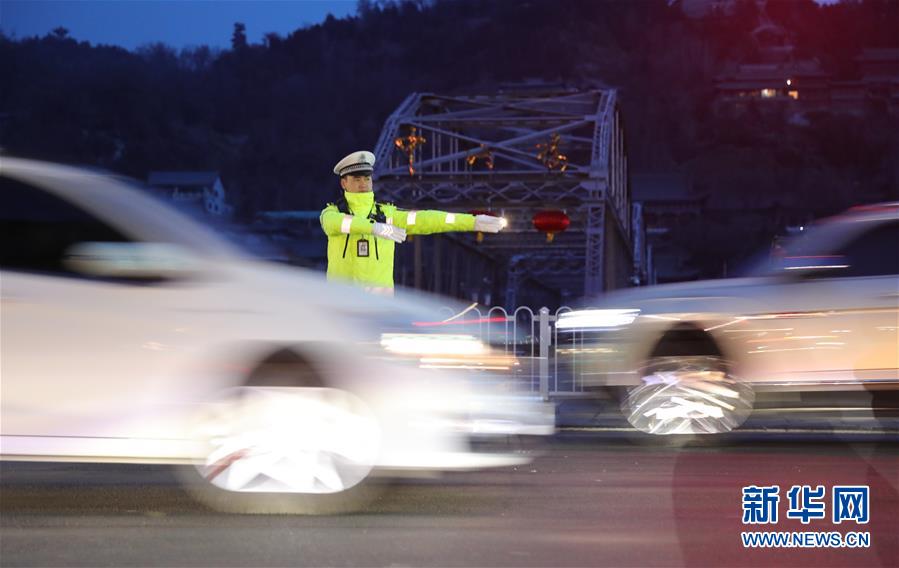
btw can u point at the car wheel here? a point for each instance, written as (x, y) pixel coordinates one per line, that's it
(688, 395)
(286, 450)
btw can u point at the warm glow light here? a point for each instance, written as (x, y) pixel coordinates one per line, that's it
(408, 144)
(550, 156)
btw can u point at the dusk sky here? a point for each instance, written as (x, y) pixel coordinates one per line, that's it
(179, 23)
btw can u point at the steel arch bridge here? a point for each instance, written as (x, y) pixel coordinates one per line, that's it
(517, 154)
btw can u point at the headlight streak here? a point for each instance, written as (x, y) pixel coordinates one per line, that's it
(663, 318)
(790, 338)
(714, 327)
(762, 350)
(460, 314)
(432, 344)
(597, 318)
(488, 363)
(819, 267)
(444, 351)
(452, 321)
(762, 330)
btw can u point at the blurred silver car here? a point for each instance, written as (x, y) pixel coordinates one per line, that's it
(688, 358)
(132, 334)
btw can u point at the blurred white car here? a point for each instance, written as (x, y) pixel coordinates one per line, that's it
(132, 334)
(689, 357)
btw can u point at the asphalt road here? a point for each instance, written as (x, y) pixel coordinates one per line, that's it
(588, 500)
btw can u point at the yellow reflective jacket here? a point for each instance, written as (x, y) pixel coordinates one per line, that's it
(347, 259)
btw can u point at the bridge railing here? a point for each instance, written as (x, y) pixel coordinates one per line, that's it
(532, 337)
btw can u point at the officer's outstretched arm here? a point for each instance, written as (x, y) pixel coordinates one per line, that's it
(429, 222)
(336, 223)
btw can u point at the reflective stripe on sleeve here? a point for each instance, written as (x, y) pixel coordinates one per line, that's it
(450, 218)
(346, 224)
(390, 220)
(410, 218)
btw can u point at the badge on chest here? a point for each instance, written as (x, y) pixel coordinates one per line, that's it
(362, 248)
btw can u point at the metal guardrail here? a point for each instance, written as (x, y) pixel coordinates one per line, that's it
(534, 340)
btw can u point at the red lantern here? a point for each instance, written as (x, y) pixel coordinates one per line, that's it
(476, 212)
(551, 221)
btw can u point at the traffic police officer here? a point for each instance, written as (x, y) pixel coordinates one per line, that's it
(362, 232)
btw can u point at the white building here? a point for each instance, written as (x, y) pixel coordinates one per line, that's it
(202, 188)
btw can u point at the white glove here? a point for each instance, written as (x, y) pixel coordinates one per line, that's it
(391, 232)
(488, 224)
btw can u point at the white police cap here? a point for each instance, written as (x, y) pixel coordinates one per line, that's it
(361, 161)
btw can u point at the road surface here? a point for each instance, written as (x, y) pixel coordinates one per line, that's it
(590, 499)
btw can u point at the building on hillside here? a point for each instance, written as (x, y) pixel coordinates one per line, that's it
(796, 85)
(799, 87)
(773, 79)
(776, 81)
(204, 189)
(290, 237)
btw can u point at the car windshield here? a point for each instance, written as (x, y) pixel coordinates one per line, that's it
(123, 203)
(813, 245)
(237, 237)
(160, 221)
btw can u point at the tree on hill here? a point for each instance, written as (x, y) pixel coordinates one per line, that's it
(274, 116)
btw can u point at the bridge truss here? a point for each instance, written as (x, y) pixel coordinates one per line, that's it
(516, 154)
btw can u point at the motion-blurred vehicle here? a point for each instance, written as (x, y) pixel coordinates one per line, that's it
(132, 334)
(689, 358)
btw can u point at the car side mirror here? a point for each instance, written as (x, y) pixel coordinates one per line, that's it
(131, 260)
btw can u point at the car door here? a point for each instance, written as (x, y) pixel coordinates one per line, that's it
(833, 322)
(873, 276)
(82, 357)
(836, 324)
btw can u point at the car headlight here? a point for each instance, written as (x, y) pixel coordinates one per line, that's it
(446, 351)
(582, 319)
